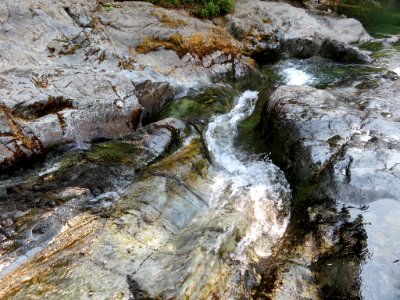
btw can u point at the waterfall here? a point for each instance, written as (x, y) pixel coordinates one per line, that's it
(252, 184)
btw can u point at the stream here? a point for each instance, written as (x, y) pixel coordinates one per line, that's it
(200, 220)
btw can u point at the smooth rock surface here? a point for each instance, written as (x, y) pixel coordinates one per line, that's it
(70, 71)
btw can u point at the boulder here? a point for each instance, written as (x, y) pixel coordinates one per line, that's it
(268, 30)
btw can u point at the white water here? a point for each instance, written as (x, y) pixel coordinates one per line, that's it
(187, 249)
(255, 186)
(397, 70)
(293, 76)
(246, 214)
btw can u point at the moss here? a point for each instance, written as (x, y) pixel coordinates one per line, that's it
(397, 45)
(198, 44)
(333, 141)
(372, 46)
(369, 84)
(115, 152)
(168, 20)
(108, 6)
(211, 101)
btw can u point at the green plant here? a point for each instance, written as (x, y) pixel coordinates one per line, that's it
(201, 8)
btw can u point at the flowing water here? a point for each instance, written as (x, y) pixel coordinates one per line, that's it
(202, 221)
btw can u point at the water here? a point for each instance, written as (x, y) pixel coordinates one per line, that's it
(321, 73)
(252, 182)
(380, 18)
(382, 272)
(185, 229)
(293, 76)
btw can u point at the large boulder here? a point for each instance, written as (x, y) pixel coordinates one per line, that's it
(355, 139)
(267, 30)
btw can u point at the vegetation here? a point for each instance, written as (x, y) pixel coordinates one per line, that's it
(201, 8)
(198, 44)
(168, 20)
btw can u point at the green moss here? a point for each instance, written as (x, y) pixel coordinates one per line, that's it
(397, 46)
(211, 101)
(115, 152)
(369, 84)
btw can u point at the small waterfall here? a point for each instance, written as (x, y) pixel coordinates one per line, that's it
(245, 214)
(255, 186)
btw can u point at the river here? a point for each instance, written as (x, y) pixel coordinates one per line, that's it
(200, 221)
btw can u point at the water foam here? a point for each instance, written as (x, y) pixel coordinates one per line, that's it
(295, 76)
(397, 70)
(256, 187)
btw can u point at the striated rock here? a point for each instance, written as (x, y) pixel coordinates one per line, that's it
(81, 180)
(267, 30)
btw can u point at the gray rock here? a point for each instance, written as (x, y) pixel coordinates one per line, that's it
(268, 30)
(357, 140)
(78, 181)
(70, 70)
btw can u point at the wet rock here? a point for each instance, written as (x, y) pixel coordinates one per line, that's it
(339, 146)
(342, 136)
(79, 181)
(340, 51)
(269, 30)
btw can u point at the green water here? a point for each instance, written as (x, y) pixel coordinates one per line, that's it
(323, 73)
(215, 100)
(380, 18)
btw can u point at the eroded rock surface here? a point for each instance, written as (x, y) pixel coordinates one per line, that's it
(351, 133)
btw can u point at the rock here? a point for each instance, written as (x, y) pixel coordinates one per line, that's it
(77, 74)
(341, 150)
(356, 139)
(340, 51)
(267, 30)
(79, 181)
